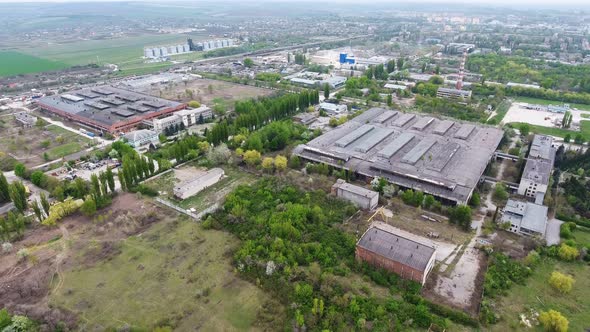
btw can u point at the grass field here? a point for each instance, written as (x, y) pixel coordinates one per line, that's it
(14, 63)
(501, 111)
(559, 132)
(537, 101)
(174, 274)
(538, 295)
(125, 52)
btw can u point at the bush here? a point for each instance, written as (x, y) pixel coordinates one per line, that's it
(553, 321)
(567, 253)
(145, 190)
(561, 282)
(566, 229)
(88, 207)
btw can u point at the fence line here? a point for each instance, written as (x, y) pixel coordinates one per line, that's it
(195, 216)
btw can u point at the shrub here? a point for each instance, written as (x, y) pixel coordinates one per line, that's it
(567, 253)
(88, 207)
(553, 321)
(562, 282)
(145, 190)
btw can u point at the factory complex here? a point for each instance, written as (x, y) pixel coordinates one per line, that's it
(444, 158)
(155, 52)
(107, 108)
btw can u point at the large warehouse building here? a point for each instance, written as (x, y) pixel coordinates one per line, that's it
(107, 108)
(444, 158)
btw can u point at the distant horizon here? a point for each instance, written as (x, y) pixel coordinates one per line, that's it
(531, 4)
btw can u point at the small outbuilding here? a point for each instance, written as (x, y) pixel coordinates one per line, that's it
(364, 198)
(193, 186)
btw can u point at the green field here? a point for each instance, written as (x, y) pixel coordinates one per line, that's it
(14, 63)
(581, 107)
(125, 52)
(558, 132)
(501, 111)
(174, 274)
(538, 295)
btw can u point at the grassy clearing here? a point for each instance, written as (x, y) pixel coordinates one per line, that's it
(537, 101)
(501, 111)
(582, 235)
(14, 63)
(174, 274)
(559, 132)
(234, 177)
(64, 150)
(537, 294)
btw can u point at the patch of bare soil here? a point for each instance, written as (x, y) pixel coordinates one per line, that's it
(26, 284)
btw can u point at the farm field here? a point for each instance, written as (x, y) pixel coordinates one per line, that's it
(37, 145)
(124, 52)
(538, 295)
(134, 265)
(14, 63)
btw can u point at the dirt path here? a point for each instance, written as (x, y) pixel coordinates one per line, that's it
(59, 258)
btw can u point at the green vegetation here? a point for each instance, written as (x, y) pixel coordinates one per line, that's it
(175, 275)
(290, 235)
(558, 132)
(15, 63)
(501, 111)
(446, 107)
(536, 295)
(551, 75)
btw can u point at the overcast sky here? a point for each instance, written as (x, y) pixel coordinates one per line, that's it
(520, 3)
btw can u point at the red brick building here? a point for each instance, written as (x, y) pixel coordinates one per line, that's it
(406, 257)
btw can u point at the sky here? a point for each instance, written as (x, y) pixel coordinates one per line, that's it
(519, 3)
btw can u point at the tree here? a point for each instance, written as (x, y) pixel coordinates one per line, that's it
(475, 200)
(294, 162)
(95, 186)
(567, 138)
(400, 63)
(268, 164)
(89, 206)
(326, 90)
(553, 321)
(20, 170)
(37, 211)
(524, 129)
(111, 178)
(561, 282)
(248, 63)
(428, 201)
(44, 203)
(333, 122)
(389, 100)
(18, 195)
(280, 163)
(579, 139)
(500, 195)
(251, 157)
(194, 104)
(37, 178)
(461, 215)
(4, 189)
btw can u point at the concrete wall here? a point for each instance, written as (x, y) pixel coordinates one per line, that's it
(400, 269)
(362, 201)
(528, 189)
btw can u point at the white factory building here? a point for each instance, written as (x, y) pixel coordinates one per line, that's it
(538, 168)
(188, 117)
(164, 51)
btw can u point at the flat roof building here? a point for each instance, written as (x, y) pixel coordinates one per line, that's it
(26, 119)
(525, 218)
(538, 168)
(453, 93)
(142, 137)
(108, 108)
(444, 158)
(401, 254)
(364, 198)
(333, 109)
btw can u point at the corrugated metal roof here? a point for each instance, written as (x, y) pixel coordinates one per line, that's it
(397, 248)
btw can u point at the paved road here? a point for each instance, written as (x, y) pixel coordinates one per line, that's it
(552, 234)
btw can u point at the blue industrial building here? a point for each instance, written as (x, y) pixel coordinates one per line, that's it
(344, 59)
